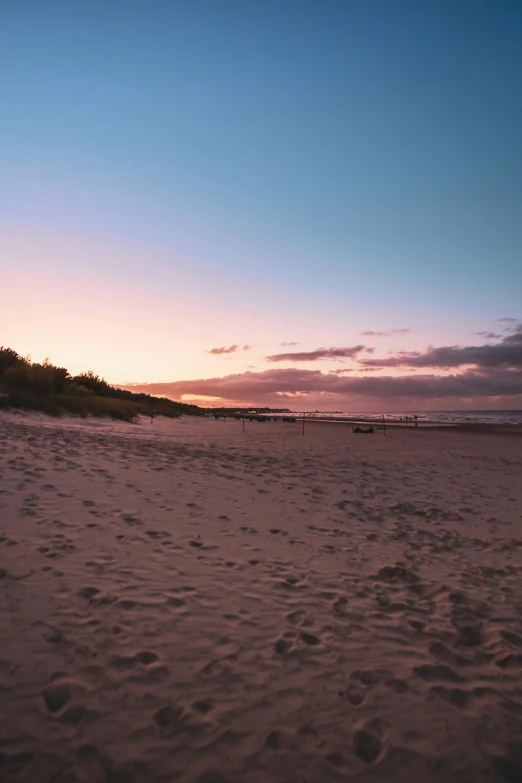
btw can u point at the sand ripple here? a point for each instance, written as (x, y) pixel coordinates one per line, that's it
(185, 602)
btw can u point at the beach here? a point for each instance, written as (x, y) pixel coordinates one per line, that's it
(185, 601)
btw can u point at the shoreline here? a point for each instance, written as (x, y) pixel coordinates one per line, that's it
(391, 425)
(505, 429)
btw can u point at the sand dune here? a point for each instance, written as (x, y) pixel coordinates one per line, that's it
(186, 602)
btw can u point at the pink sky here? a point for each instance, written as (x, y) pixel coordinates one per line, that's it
(157, 205)
(200, 345)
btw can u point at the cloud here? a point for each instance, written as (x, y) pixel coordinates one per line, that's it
(265, 386)
(492, 374)
(230, 349)
(505, 354)
(488, 335)
(320, 353)
(516, 336)
(508, 320)
(219, 351)
(288, 344)
(385, 334)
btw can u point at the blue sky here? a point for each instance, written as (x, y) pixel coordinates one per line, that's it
(298, 168)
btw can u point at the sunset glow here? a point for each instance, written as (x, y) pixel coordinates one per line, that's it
(307, 204)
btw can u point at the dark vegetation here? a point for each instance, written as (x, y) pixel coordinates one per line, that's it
(52, 390)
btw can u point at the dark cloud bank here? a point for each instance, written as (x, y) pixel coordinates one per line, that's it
(505, 354)
(471, 372)
(319, 353)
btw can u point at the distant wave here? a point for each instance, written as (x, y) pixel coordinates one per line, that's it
(439, 417)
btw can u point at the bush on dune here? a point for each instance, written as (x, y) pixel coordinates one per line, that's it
(94, 383)
(90, 405)
(40, 379)
(20, 398)
(60, 404)
(74, 389)
(8, 358)
(30, 377)
(50, 389)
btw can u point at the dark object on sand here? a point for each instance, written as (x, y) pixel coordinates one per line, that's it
(360, 429)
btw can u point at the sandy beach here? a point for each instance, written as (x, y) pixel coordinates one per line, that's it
(184, 601)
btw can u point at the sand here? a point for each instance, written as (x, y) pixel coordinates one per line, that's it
(186, 602)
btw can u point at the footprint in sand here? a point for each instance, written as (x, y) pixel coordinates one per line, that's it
(219, 667)
(277, 740)
(54, 637)
(13, 764)
(203, 706)
(369, 740)
(509, 767)
(158, 534)
(88, 592)
(435, 673)
(336, 760)
(59, 694)
(146, 657)
(397, 685)
(175, 603)
(457, 697)
(510, 661)
(297, 617)
(309, 639)
(372, 676)
(168, 716)
(56, 696)
(354, 695)
(282, 646)
(142, 667)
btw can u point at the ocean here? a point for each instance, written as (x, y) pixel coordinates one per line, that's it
(425, 417)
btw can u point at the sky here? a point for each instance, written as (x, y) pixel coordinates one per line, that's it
(298, 203)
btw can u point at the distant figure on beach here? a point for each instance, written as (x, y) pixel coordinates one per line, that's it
(416, 422)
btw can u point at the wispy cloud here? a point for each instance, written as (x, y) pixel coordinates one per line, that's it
(488, 335)
(508, 320)
(319, 353)
(288, 344)
(220, 351)
(385, 334)
(246, 347)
